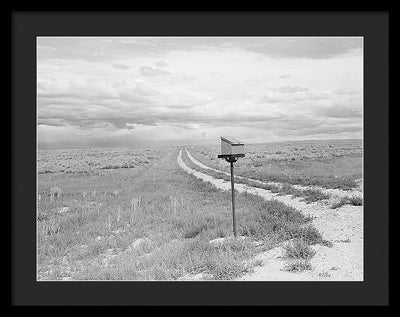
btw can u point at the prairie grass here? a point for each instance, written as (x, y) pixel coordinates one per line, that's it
(355, 201)
(298, 266)
(308, 195)
(153, 223)
(339, 202)
(329, 164)
(94, 161)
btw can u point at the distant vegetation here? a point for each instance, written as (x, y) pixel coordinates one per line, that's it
(154, 223)
(330, 164)
(339, 202)
(133, 214)
(308, 195)
(93, 160)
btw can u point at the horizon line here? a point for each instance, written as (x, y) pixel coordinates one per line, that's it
(165, 143)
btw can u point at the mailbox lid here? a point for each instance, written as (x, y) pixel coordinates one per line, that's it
(231, 141)
(231, 146)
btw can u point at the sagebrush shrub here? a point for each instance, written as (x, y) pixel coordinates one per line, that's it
(299, 249)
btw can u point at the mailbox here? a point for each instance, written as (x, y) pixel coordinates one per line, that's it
(231, 150)
(231, 146)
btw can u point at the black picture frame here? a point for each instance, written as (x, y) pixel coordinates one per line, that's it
(373, 26)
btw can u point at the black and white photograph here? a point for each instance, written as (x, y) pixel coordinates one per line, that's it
(200, 158)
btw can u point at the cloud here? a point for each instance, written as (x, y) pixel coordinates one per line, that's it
(161, 64)
(121, 66)
(55, 122)
(89, 92)
(290, 89)
(321, 130)
(342, 112)
(271, 99)
(149, 71)
(306, 47)
(292, 95)
(347, 91)
(102, 91)
(144, 90)
(105, 50)
(121, 124)
(132, 96)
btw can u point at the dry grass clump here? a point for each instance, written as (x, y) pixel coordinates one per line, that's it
(313, 195)
(337, 202)
(272, 218)
(309, 195)
(194, 230)
(298, 266)
(308, 234)
(299, 249)
(355, 201)
(55, 192)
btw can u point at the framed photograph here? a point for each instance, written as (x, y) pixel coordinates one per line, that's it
(194, 158)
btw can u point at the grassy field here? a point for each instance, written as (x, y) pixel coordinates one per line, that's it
(125, 214)
(308, 195)
(94, 160)
(329, 164)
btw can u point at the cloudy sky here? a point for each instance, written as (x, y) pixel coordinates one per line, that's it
(135, 91)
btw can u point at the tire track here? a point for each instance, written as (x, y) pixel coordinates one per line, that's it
(329, 191)
(266, 194)
(343, 227)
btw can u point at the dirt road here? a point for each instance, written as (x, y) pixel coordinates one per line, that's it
(330, 191)
(342, 226)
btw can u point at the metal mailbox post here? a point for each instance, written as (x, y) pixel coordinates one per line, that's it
(231, 150)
